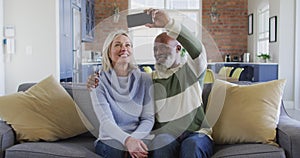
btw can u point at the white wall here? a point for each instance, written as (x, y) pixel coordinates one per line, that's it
(253, 7)
(2, 85)
(274, 47)
(297, 57)
(36, 26)
(282, 51)
(286, 47)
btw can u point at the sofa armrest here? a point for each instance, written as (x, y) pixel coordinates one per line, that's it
(7, 137)
(288, 136)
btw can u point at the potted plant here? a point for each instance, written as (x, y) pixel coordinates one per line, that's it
(265, 57)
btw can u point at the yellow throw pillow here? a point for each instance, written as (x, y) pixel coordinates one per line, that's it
(43, 112)
(247, 113)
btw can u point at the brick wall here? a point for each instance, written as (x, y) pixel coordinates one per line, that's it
(104, 24)
(229, 32)
(104, 8)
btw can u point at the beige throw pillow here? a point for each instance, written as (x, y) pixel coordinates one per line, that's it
(43, 112)
(247, 113)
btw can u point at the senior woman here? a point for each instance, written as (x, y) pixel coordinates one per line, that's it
(125, 106)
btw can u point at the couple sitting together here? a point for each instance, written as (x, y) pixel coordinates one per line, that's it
(158, 115)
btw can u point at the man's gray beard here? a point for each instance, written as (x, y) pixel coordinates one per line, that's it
(166, 65)
(161, 67)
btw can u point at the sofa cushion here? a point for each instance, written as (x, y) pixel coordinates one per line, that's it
(248, 150)
(43, 112)
(246, 113)
(50, 150)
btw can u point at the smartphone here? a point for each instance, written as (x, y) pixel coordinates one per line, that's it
(138, 19)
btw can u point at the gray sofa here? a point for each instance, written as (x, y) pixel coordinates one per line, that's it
(288, 137)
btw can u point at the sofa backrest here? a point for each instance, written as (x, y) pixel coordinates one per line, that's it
(205, 93)
(83, 99)
(25, 86)
(81, 96)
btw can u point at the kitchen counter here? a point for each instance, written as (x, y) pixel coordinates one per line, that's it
(91, 63)
(255, 72)
(252, 63)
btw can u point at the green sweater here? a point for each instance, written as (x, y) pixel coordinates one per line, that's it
(178, 94)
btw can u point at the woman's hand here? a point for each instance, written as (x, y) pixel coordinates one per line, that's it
(93, 81)
(136, 148)
(160, 18)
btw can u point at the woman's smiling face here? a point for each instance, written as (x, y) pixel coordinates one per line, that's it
(120, 50)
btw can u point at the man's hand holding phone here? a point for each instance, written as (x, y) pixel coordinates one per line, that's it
(152, 18)
(160, 18)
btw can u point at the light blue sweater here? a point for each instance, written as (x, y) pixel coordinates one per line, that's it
(125, 105)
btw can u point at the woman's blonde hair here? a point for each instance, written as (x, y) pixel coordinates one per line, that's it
(106, 61)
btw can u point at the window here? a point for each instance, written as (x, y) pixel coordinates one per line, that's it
(178, 9)
(165, 4)
(263, 31)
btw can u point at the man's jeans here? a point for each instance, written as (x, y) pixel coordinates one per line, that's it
(188, 145)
